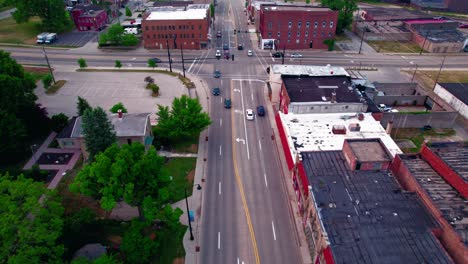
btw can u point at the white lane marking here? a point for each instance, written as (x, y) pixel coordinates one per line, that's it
(352, 61)
(219, 188)
(221, 120)
(237, 260)
(221, 100)
(191, 65)
(220, 148)
(266, 182)
(260, 144)
(251, 95)
(273, 59)
(348, 194)
(219, 240)
(403, 57)
(273, 227)
(245, 126)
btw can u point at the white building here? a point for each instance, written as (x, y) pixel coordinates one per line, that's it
(455, 94)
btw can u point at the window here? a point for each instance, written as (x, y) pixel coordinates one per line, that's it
(180, 27)
(192, 27)
(329, 34)
(269, 34)
(346, 107)
(312, 108)
(129, 141)
(307, 24)
(315, 24)
(147, 28)
(315, 34)
(290, 24)
(307, 34)
(298, 34)
(299, 24)
(154, 36)
(323, 34)
(289, 34)
(199, 26)
(324, 24)
(331, 24)
(270, 25)
(193, 35)
(278, 34)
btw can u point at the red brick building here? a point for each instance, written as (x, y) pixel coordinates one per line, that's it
(89, 17)
(177, 27)
(296, 27)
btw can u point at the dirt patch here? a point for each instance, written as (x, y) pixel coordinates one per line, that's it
(40, 70)
(193, 148)
(190, 176)
(178, 261)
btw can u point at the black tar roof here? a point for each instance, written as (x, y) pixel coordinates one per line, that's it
(455, 155)
(67, 131)
(459, 90)
(312, 89)
(368, 219)
(446, 198)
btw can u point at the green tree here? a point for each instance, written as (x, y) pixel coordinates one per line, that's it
(30, 222)
(154, 88)
(345, 15)
(129, 40)
(98, 131)
(47, 81)
(184, 121)
(148, 81)
(212, 10)
(114, 109)
(152, 63)
(82, 105)
(51, 12)
(118, 64)
(12, 137)
(330, 43)
(137, 245)
(307, 1)
(59, 122)
(82, 63)
(129, 173)
(128, 12)
(36, 173)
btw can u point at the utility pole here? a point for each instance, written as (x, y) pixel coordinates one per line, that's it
(362, 39)
(48, 64)
(438, 74)
(182, 54)
(284, 52)
(424, 43)
(169, 56)
(188, 215)
(414, 73)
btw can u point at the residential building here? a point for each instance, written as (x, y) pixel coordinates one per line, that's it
(174, 3)
(177, 27)
(455, 94)
(438, 174)
(359, 214)
(128, 128)
(296, 27)
(89, 17)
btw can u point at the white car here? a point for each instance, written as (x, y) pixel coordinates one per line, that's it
(218, 53)
(250, 114)
(296, 55)
(249, 53)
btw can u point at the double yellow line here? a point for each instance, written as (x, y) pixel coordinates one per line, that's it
(241, 188)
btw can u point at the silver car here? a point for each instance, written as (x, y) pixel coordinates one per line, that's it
(296, 55)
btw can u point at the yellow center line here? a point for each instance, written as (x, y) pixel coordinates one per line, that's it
(241, 188)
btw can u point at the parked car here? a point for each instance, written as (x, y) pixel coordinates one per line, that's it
(227, 102)
(249, 53)
(216, 91)
(217, 74)
(296, 55)
(393, 111)
(218, 53)
(157, 60)
(218, 34)
(41, 38)
(384, 108)
(260, 110)
(249, 114)
(277, 54)
(240, 46)
(225, 46)
(463, 25)
(50, 38)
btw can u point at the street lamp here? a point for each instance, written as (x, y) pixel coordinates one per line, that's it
(188, 214)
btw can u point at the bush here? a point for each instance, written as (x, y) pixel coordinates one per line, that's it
(82, 63)
(148, 81)
(330, 43)
(128, 12)
(152, 63)
(118, 106)
(47, 81)
(118, 64)
(59, 122)
(129, 40)
(137, 245)
(154, 88)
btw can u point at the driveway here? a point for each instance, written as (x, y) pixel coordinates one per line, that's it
(105, 89)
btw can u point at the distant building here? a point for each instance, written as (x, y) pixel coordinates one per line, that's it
(375, 13)
(186, 27)
(457, 6)
(455, 94)
(439, 176)
(296, 27)
(89, 17)
(174, 3)
(437, 36)
(355, 211)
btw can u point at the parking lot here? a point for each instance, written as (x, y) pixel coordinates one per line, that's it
(108, 88)
(76, 38)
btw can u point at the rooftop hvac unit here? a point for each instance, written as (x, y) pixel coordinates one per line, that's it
(339, 129)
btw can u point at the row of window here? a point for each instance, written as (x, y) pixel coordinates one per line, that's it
(172, 27)
(87, 20)
(330, 34)
(171, 36)
(299, 24)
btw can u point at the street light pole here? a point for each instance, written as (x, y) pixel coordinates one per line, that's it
(182, 54)
(169, 55)
(188, 215)
(438, 74)
(362, 39)
(284, 52)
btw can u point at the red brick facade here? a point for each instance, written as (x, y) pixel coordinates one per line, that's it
(297, 27)
(89, 20)
(190, 33)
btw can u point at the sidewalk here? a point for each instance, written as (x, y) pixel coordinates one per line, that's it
(7, 13)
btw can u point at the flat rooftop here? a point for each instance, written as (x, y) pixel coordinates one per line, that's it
(446, 198)
(439, 36)
(313, 132)
(454, 155)
(129, 125)
(172, 13)
(459, 90)
(316, 89)
(300, 8)
(368, 150)
(394, 13)
(366, 216)
(309, 70)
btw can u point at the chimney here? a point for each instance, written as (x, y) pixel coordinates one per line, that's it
(389, 127)
(120, 113)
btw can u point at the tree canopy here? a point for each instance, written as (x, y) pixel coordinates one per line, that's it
(118, 106)
(116, 36)
(52, 13)
(30, 222)
(137, 245)
(82, 105)
(98, 131)
(185, 120)
(345, 15)
(129, 173)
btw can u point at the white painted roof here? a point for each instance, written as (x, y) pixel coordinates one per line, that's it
(313, 132)
(309, 70)
(194, 12)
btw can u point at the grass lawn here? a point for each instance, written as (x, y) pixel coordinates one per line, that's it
(182, 170)
(24, 33)
(394, 46)
(427, 78)
(172, 247)
(189, 146)
(417, 136)
(342, 37)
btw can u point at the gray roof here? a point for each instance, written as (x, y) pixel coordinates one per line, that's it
(130, 125)
(455, 155)
(459, 90)
(366, 216)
